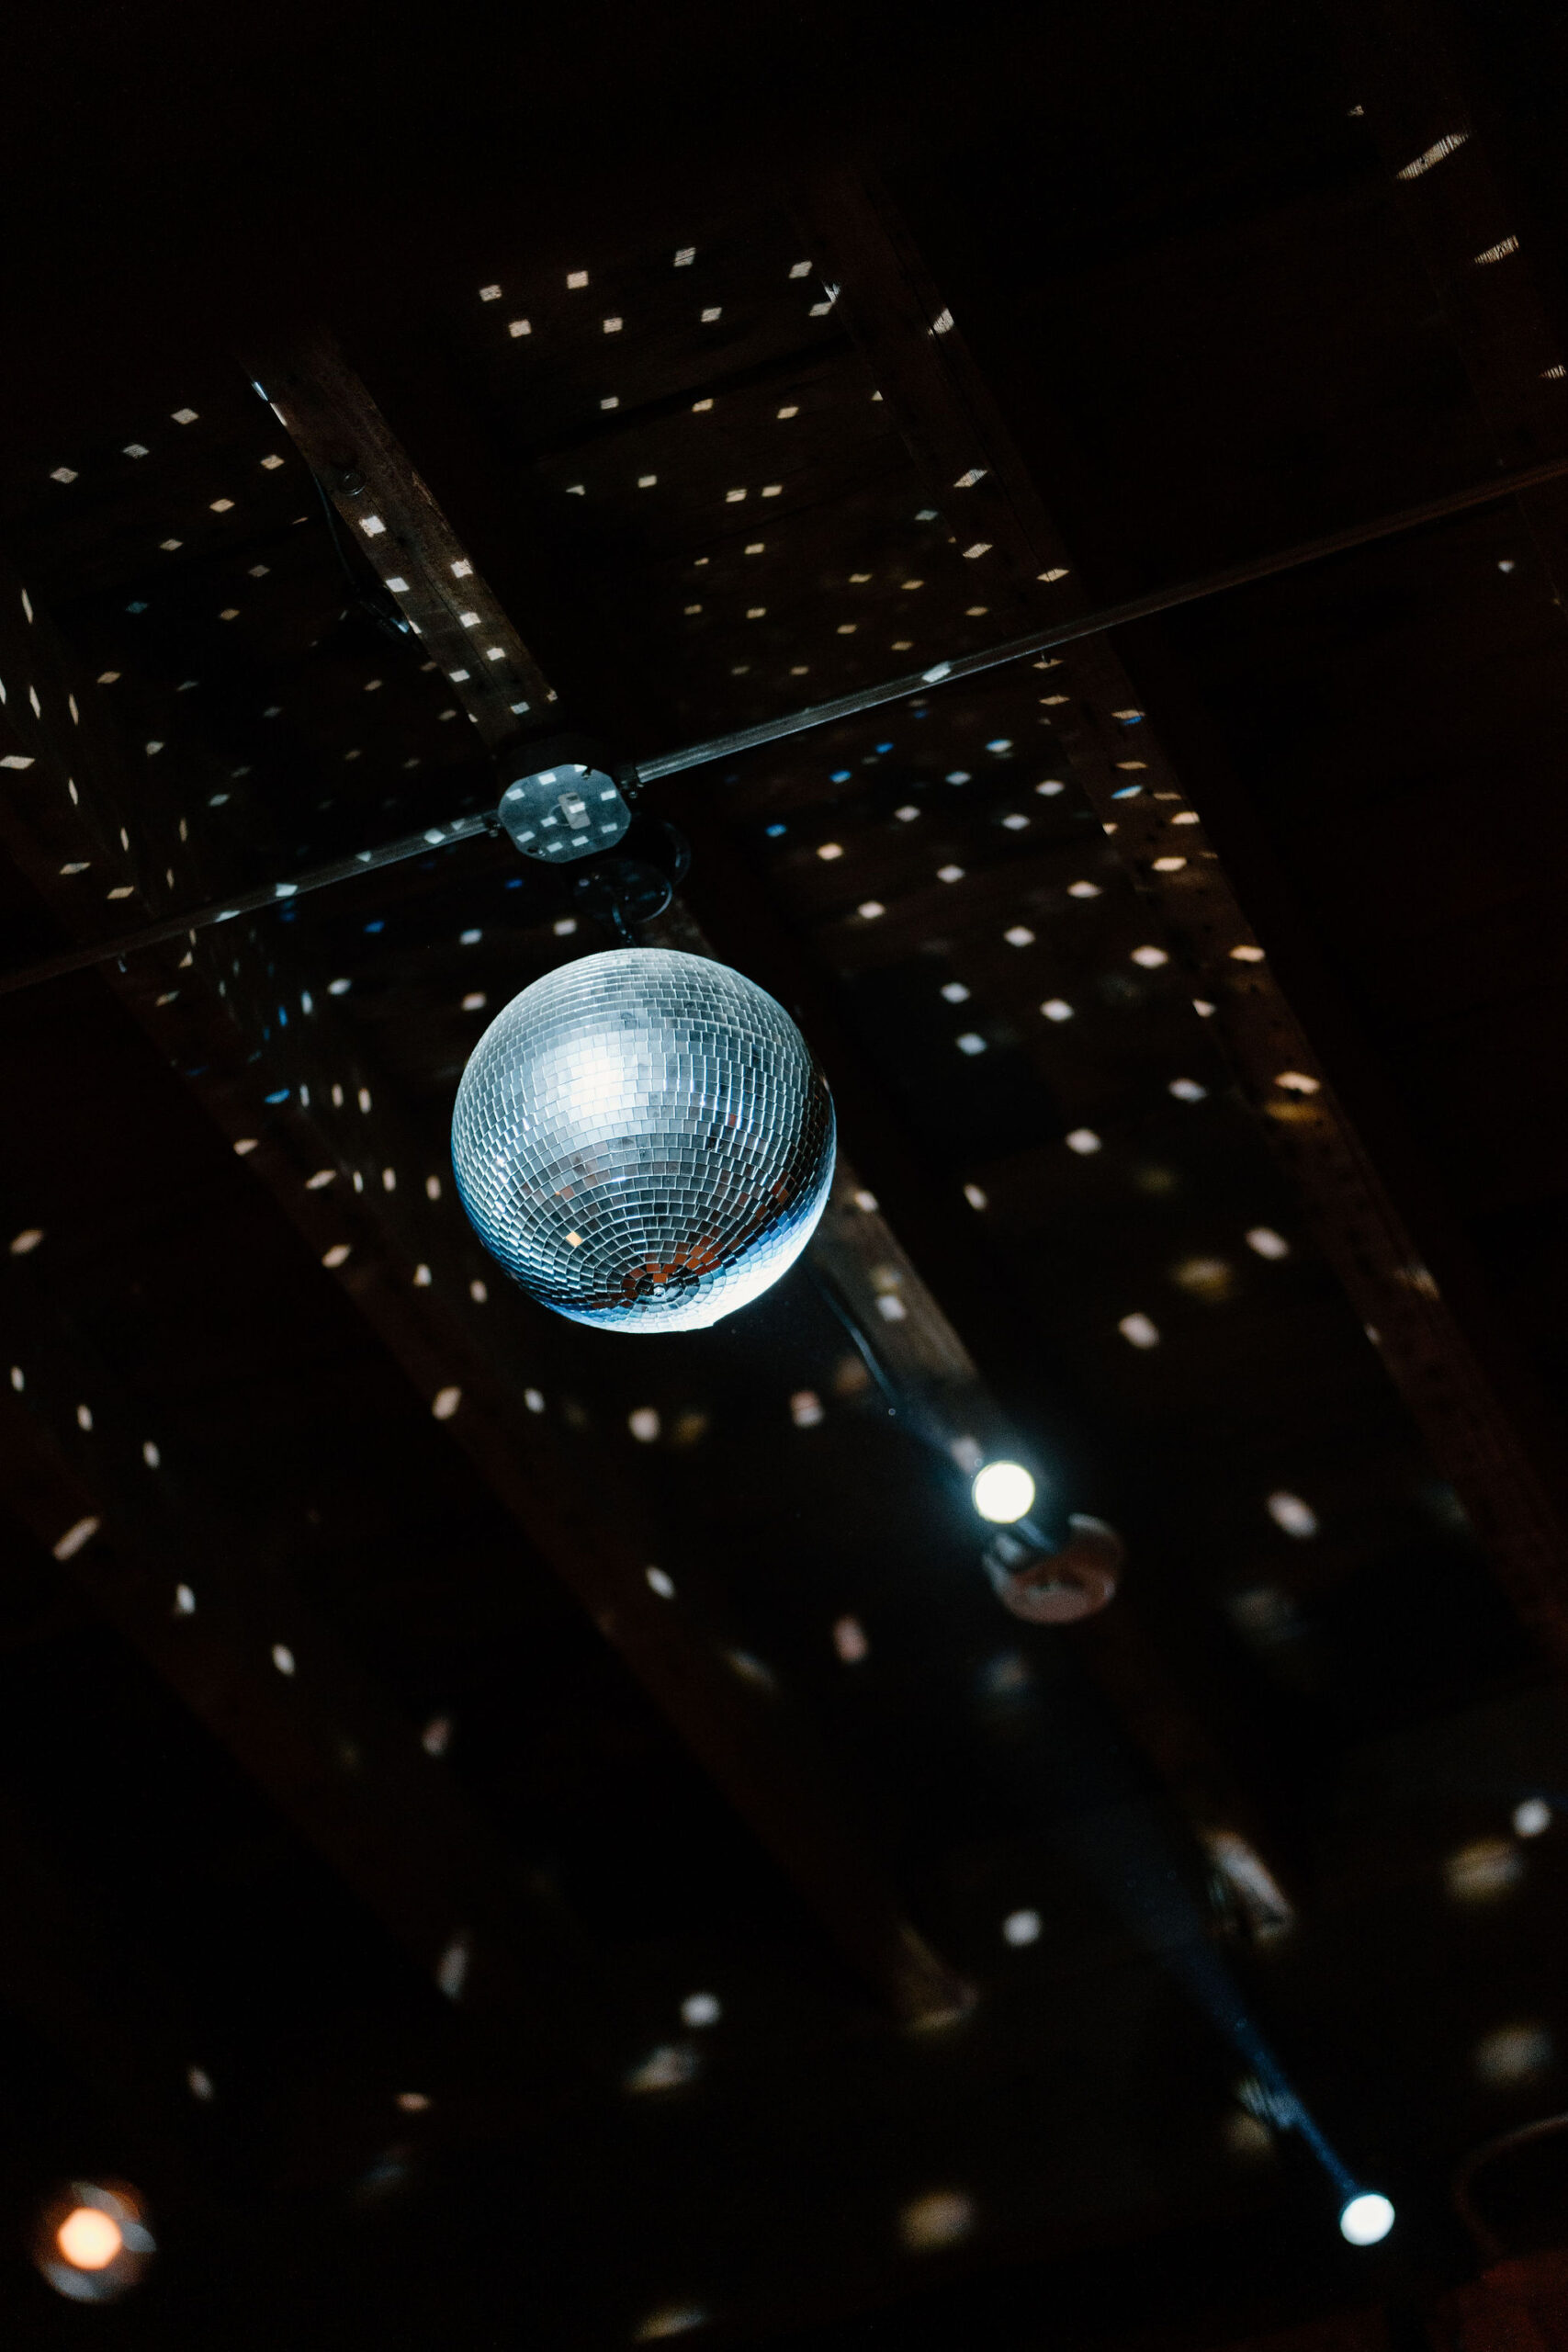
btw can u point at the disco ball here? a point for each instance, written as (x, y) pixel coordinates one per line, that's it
(643, 1139)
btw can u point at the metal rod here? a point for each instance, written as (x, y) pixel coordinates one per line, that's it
(1105, 616)
(246, 902)
(825, 713)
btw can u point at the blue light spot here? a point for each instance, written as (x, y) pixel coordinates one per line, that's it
(136, 608)
(281, 1096)
(774, 831)
(515, 882)
(884, 747)
(282, 1018)
(1002, 744)
(377, 925)
(1126, 792)
(839, 775)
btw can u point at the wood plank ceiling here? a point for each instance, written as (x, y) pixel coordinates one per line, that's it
(531, 1776)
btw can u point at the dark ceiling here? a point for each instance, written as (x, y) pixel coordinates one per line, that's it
(514, 1835)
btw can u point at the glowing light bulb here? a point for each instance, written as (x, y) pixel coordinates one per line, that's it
(92, 2241)
(1366, 2218)
(1002, 1492)
(88, 2239)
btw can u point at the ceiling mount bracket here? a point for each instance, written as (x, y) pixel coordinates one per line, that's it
(565, 798)
(636, 882)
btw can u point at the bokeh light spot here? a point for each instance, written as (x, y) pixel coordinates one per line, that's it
(1002, 1492)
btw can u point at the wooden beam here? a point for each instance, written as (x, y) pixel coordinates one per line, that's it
(1403, 1261)
(212, 1614)
(391, 518)
(433, 1885)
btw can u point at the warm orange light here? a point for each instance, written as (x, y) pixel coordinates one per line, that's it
(89, 2239)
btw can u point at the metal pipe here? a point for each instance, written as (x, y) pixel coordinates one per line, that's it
(825, 713)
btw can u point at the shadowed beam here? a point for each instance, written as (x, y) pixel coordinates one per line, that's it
(1394, 1243)
(764, 1759)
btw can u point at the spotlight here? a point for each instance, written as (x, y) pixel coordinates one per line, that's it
(1055, 1588)
(1365, 2218)
(1002, 1492)
(92, 2241)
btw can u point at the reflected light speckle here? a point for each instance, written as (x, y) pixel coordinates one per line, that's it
(941, 2218)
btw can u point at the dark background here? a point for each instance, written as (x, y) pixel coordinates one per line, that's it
(1213, 322)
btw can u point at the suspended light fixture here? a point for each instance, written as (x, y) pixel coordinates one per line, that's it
(643, 1140)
